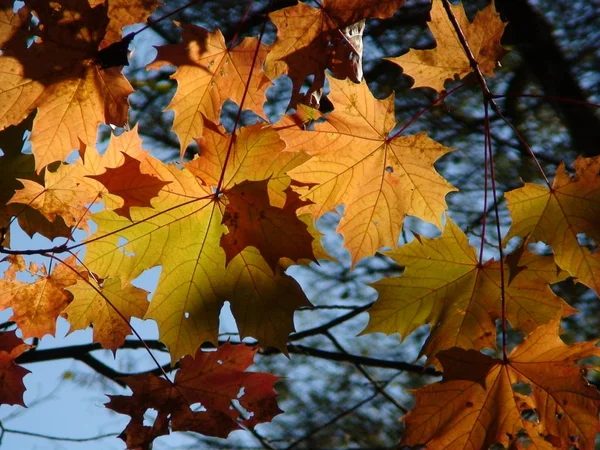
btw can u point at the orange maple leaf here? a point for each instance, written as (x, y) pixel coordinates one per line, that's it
(13, 25)
(431, 68)
(208, 73)
(68, 192)
(11, 374)
(37, 305)
(123, 13)
(98, 305)
(58, 74)
(213, 379)
(479, 402)
(356, 161)
(305, 36)
(275, 232)
(444, 285)
(557, 215)
(129, 183)
(257, 154)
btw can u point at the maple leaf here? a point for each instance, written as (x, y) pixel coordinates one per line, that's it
(444, 285)
(257, 154)
(208, 73)
(478, 402)
(182, 234)
(431, 68)
(68, 191)
(213, 379)
(98, 305)
(11, 374)
(262, 300)
(129, 183)
(306, 37)
(379, 177)
(557, 215)
(123, 13)
(37, 305)
(15, 165)
(251, 220)
(59, 76)
(13, 25)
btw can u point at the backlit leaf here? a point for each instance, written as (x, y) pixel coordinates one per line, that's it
(431, 68)
(212, 379)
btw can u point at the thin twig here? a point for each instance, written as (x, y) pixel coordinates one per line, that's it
(367, 375)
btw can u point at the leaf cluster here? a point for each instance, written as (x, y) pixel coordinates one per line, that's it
(226, 225)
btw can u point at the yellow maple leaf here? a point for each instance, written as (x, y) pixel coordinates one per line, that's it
(556, 216)
(182, 234)
(91, 305)
(478, 402)
(445, 286)
(356, 162)
(59, 75)
(431, 68)
(208, 73)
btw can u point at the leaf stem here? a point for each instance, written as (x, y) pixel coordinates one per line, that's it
(241, 106)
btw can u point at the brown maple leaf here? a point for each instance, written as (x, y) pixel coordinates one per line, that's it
(11, 374)
(310, 40)
(431, 68)
(58, 74)
(275, 232)
(479, 403)
(129, 183)
(212, 379)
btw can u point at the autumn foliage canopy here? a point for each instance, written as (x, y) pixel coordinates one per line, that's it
(226, 225)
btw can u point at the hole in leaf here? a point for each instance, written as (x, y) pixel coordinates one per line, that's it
(585, 241)
(522, 388)
(244, 413)
(186, 315)
(150, 416)
(389, 169)
(241, 392)
(197, 407)
(122, 243)
(530, 415)
(220, 362)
